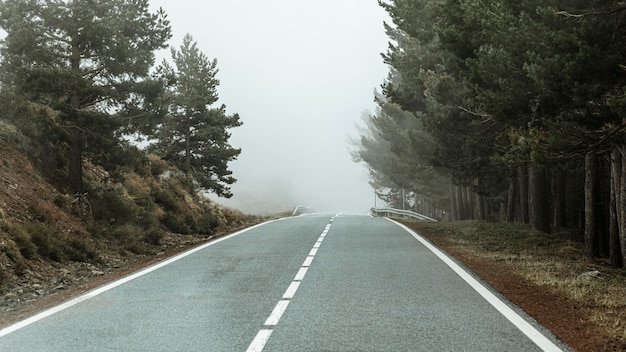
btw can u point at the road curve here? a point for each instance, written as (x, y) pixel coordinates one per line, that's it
(317, 282)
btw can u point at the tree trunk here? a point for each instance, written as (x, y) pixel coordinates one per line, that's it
(523, 193)
(459, 202)
(454, 216)
(511, 198)
(468, 202)
(480, 207)
(188, 141)
(559, 192)
(75, 157)
(75, 162)
(539, 207)
(603, 214)
(622, 207)
(615, 222)
(591, 235)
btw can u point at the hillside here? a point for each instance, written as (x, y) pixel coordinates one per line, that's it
(53, 243)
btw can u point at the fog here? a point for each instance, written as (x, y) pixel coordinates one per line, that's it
(300, 74)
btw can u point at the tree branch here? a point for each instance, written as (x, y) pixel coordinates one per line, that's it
(475, 113)
(591, 13)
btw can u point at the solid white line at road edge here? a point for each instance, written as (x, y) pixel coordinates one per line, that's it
(91, 294)
(524, 326)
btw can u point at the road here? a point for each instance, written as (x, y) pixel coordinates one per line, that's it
(309, 283)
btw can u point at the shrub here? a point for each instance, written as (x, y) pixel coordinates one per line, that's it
(167, 199)
(21, 238)
(112, 208)
(10, 249)
(80, 250)
(157, 165)
(48, 242)
(61, 200)
(154, 236)
(130, 237)
(176, 223)
(43, 211)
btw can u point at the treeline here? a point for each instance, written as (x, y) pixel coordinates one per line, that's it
(506, 110)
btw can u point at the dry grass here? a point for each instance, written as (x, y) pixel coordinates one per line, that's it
(552, 261)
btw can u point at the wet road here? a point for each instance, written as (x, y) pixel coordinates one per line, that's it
(319, 282)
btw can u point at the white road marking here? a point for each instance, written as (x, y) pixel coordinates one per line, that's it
(260, 340)
(258, 344)
(291, 290)
(278, 311)
(91, 294)
(300, 274)
(525, 327)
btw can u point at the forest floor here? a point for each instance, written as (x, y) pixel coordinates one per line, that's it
(582, 301)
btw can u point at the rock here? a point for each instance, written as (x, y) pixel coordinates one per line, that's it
(589, 275)
(36, 286)
(97, 273)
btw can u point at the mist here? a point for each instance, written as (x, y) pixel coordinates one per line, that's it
(299, 74)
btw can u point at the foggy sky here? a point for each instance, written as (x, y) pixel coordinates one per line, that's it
(300, 74)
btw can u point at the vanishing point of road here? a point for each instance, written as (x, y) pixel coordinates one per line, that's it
(317, 282)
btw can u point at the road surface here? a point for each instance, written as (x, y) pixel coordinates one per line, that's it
(310, 283)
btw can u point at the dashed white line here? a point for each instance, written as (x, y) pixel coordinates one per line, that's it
(291, 290)
(308, 261)
(259, 341)
(258, 344)
(301, 273)
(277, 313)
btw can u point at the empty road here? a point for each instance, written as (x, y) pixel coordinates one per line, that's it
(317, 282)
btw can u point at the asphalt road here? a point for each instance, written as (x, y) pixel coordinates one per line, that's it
(309, 283)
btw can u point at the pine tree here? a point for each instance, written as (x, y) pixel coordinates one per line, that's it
(83, 59)
(193, 134)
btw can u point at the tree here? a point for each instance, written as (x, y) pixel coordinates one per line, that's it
(83, 59)
(194, 135)
(398, 152)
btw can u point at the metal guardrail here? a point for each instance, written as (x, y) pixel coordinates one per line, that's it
(301, 209)
(390, 212)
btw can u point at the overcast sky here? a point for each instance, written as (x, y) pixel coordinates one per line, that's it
(300, 74)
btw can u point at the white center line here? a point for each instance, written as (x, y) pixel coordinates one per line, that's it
(258, 344)
(308, 261)
(291, 290)
(278, 311)
(301, 273)
(259, 341)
